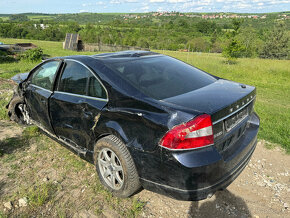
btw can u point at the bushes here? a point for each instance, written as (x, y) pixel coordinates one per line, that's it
(32, 55)
(4, 57)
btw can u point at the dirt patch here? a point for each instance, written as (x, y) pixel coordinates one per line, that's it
(262, 190)
(9, 130)
(56, 182)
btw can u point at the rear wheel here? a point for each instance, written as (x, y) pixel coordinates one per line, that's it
(115, 167)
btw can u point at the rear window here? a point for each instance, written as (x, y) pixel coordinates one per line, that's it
(162, 77)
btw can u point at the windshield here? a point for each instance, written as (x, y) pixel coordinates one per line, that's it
(162, 77)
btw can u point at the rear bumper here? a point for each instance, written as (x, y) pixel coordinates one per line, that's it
(195, 175)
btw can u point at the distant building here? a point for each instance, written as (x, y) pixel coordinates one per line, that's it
(42, 26)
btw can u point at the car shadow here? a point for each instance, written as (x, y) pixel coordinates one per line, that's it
(2, 184)
(223, 204)
(10, 145)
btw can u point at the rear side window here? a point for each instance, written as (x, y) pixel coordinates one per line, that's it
(95, 88)
(74, 78)
(162, 77)
(43, 76)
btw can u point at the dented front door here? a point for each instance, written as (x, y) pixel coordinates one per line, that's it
(72, 107)
(38, 91)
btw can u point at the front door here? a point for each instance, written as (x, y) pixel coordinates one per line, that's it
(39, 90)
(79, 98)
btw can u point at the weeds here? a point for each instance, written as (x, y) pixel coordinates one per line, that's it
(41, 194)
(136, 207)
(2, 215)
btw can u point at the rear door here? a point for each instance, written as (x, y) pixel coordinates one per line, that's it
(78, 99)
(38, 91)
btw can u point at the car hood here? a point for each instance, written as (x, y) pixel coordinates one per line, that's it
(18, 78)
(218, 99)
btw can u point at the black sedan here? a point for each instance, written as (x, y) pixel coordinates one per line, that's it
(143, 119)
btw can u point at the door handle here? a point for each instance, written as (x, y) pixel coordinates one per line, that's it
(43, 101)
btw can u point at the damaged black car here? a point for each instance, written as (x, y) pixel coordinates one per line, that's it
(143, 119)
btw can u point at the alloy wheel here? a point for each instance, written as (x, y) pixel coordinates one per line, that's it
(111, 168)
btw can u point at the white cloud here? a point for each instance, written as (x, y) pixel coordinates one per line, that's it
(191, 5)
(160, 9)
(198, 8)
(91, 4)
(145, 9)
(131, 1)
(123, 1)
(177, 1)
(158, 1)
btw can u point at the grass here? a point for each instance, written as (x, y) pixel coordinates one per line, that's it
(40, 194)
(271, 77)
(26, 168)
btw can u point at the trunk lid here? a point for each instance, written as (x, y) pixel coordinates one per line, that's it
(218, 99)
(229, 104)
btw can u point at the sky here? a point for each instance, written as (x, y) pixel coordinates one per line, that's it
(133, 6)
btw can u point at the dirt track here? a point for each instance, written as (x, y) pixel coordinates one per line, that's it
(262, 190)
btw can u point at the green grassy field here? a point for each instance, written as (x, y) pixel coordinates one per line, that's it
(271, 77)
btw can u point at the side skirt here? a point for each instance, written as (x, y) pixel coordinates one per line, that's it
(80, 151)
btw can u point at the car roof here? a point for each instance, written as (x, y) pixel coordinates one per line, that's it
(114, 55)
(124, 54)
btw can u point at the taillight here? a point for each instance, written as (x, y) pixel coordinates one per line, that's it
(193, 134)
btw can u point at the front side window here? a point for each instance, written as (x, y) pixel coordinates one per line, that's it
(74, 78)
(43, 76)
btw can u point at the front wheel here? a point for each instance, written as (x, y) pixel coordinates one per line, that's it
(17, 111)
(115, 167)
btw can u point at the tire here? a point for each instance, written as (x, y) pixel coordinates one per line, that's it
(14, 111)
(116, 170)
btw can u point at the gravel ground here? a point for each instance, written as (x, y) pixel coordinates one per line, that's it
(262, 190)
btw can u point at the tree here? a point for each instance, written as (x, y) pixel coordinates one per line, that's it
(235, 48)
(206, 27)
(276, 45)
(198, 44)
(142, 42)
(18, 17)
(73, 27)
(248, 38)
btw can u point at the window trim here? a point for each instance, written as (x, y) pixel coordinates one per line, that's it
(36, 86)
(78, 95)
(82, 96)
